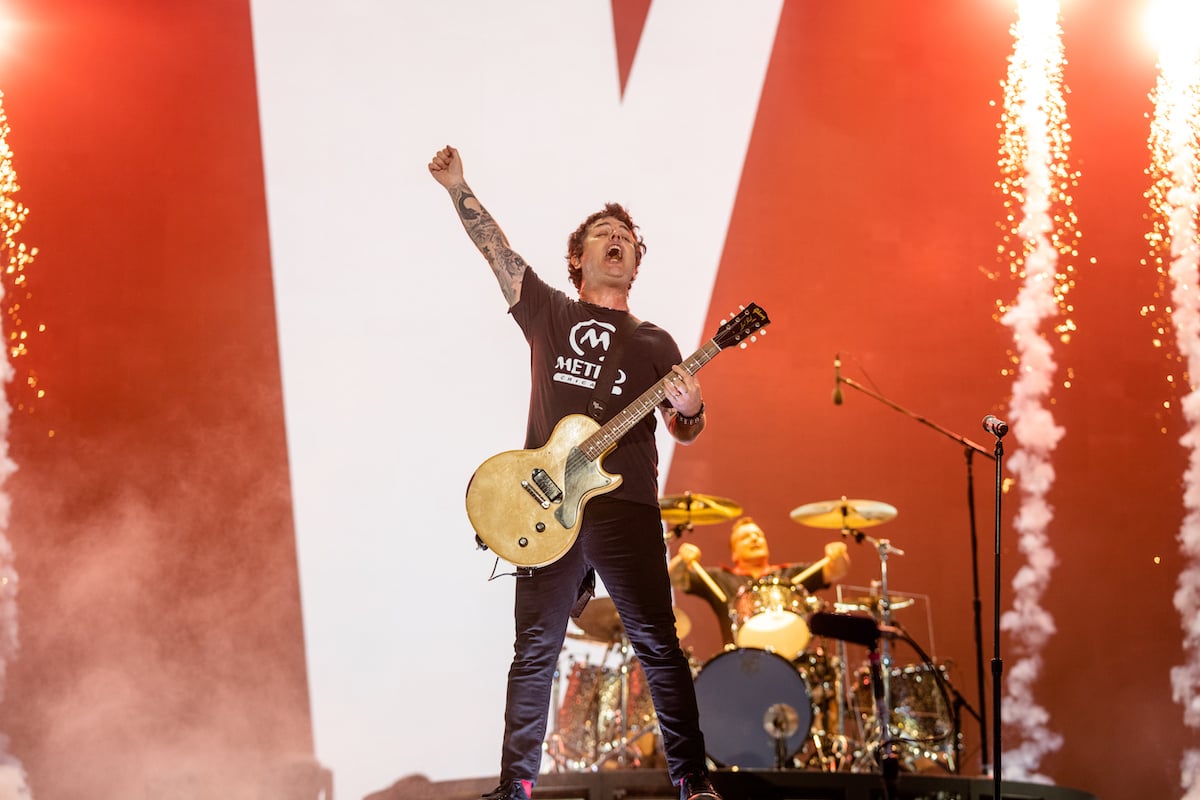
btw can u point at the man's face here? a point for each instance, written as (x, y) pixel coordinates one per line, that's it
(609, 256)
(748, 544)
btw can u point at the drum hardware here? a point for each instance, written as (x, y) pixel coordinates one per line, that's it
(624, 747)
(970, 449)
(923, 727)
(781, 721)
(850, 516)
(600, 622)
(594, 728)
(881, 660)
(911, 717)
(833, 750)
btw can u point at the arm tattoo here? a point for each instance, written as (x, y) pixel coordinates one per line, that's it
(460, 202)
(508, 266)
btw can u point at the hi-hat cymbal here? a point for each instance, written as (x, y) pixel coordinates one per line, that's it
(697, 509)
(600, 621)
(844, 514)
(872, 604)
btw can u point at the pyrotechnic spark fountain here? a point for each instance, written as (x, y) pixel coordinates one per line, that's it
(1036, 178)
(1174, 198)
(15, 257)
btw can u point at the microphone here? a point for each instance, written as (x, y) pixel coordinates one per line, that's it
(853, 628)
(837, 379)
(996, 427)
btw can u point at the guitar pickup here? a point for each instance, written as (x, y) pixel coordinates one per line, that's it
(535, 494)
(547, 485)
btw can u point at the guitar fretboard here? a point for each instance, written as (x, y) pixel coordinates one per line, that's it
(610, 432)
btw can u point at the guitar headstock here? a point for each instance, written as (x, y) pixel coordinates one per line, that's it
(741, 329)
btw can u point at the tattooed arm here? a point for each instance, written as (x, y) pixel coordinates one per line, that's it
(446, 168)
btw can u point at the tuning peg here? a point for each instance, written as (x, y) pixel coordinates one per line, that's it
(753, 338)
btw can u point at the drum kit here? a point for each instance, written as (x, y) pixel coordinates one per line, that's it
(786, 694)
(604, 715)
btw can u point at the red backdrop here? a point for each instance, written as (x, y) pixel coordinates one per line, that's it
(161, 645)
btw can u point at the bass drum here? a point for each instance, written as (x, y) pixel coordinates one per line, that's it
(744, 693)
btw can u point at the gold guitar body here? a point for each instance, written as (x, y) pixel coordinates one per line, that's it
(527, 505)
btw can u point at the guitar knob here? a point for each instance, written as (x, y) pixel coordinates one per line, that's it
(523, 542)
(540, 527)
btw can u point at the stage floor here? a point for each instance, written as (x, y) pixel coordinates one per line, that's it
(653, 784)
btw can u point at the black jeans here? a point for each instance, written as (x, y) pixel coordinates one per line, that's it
(624, 543)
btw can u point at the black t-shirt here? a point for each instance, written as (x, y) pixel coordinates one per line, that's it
(568, 340)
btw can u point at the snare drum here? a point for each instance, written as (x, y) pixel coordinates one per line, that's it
(743, 693)
(772, 615)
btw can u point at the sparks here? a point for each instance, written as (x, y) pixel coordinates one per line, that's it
(1040, 236)
(1174, 199)
(12, 214)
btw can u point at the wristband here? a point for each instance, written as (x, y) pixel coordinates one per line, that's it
(693, 420)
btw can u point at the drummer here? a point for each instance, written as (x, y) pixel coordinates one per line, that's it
(751, 564)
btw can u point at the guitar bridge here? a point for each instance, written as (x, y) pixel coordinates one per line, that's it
(535, 494)
(547, 485)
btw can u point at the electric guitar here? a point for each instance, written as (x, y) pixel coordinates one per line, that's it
(526, 505)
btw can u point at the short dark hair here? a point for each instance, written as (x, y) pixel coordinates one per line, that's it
(575, 240)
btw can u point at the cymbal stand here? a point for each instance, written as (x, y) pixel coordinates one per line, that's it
(677, 531)
(843, 751)
(880, 657)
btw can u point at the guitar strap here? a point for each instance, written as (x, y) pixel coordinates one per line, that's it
(587, 590)
(602, 394)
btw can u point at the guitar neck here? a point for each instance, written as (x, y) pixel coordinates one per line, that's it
(610, 432)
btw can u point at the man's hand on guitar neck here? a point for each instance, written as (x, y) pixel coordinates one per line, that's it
(685, 420)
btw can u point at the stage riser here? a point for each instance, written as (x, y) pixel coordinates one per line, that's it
(649, 784)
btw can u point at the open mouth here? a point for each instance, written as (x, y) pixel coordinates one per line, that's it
(613, 252)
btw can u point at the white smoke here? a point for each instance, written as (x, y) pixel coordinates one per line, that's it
(1035, 146)
(1175, 197)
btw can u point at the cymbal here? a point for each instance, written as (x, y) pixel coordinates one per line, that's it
(600, 622)
(844, 514)
(697, 509)
(872, 604)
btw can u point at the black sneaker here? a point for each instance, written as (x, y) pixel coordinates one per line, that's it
(507, 790)
(697, 786)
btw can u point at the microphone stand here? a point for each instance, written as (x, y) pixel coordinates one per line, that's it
(997, 664)
(970, 448)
